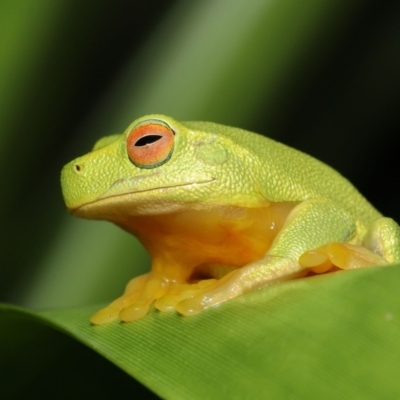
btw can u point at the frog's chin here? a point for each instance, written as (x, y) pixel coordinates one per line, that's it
(160, 200)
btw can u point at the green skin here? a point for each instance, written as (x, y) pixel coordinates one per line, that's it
(213, 165)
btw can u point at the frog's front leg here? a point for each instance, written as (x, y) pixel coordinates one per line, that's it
(310, 225)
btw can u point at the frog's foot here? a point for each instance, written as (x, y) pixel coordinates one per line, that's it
(335, 256)
(139, 294)
(179, 294)
(194, 299)
(142, 292)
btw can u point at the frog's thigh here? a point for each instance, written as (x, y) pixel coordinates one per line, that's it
(383, 237)
(310, 224)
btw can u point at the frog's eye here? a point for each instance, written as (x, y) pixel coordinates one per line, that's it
(150, 144)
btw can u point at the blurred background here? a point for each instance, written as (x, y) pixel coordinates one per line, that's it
(321, 76)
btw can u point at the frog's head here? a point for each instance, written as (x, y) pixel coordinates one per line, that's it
(157, 165)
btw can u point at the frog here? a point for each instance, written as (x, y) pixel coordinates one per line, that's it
(222, 211)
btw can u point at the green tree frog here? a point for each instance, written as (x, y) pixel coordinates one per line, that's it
(222, 211)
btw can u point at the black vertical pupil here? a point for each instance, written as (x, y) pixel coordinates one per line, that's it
(148, 139)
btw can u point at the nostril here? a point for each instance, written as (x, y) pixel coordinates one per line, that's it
(78, 168)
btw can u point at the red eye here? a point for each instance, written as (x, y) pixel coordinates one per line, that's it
(150, 144)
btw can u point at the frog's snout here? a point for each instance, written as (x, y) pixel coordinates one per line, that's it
(73, 182)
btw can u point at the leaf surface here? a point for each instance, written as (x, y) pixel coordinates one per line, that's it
(322, 337)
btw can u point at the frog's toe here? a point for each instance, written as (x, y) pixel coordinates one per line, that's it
(190, 306)
(142, 298)
(316, 260)
(104, 316)
(211, 294)
(135, 303)
(339, 255)
(134, 312)
(113, 310)
(181, 292)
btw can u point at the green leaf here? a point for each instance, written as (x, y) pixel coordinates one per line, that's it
(321, 337)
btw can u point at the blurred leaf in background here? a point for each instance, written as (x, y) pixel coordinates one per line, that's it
(321, 76)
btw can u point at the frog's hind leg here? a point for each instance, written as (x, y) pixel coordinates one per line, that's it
(383, 237)
(330, 257)
(380, 246)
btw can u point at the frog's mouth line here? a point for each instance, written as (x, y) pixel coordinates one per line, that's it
(105, 198)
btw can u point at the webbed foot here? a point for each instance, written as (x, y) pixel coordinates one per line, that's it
(139, 294)
(142, 292)
(339, 256)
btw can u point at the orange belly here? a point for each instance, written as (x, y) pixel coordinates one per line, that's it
(183, 244)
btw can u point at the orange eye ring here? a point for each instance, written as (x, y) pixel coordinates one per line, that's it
(150, 144)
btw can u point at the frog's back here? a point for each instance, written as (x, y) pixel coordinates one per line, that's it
(290, 175)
